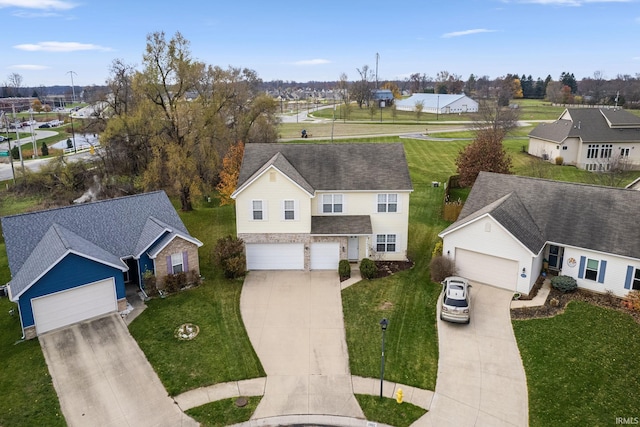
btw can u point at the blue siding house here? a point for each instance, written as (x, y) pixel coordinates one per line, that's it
(72, 263)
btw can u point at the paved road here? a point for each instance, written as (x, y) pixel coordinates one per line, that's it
(103, 378)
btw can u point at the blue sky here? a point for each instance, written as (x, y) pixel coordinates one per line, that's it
(43, 40)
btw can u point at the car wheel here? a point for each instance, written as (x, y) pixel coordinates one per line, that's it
(468, 321)
(441, 318)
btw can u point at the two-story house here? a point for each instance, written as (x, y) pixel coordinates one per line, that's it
(307, 206)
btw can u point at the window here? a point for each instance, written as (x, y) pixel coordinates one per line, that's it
(257, 210)
(176, 263)
(591, 272)
(636, 281)
(592, 151)
(385, 243)
(289, 210)
(332, 203)
(605, 151)
(624, 152)
(387, 203)
(564, 147)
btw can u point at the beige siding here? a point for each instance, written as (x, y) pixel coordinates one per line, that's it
(273, 188)
(177, 245)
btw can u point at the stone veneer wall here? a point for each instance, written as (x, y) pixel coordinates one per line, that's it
(177, 245)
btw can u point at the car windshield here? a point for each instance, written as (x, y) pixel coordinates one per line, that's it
(453, 302)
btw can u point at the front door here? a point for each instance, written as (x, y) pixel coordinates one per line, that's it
(354, 248)
(556, 253)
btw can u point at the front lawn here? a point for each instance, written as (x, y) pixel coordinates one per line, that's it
(389, 411)
(582, 366)
(224, 412)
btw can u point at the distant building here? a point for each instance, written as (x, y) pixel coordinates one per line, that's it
(438, 103)
(382, 95)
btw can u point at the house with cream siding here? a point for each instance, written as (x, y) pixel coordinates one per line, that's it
(307, 206)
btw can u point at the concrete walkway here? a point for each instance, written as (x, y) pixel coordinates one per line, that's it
(294, 321)
(538, 300)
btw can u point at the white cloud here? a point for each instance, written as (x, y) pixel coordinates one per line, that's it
(312, 62)
(29, 67)
(38, 4)
(466, 33)
(59, 47)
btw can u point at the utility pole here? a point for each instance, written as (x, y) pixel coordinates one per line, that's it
(377, 58)
(73, 90)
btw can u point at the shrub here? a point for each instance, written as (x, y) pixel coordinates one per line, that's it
(564, 283)
(44, 149)
(633, 300)
(441, 267)
(149, 283)
(15, 152)
(344, 269)
(229, 256)
(368, 268)
(69, 143)
(559, 161)
(437, 250)
(174, 282)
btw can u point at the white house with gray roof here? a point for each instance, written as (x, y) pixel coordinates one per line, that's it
(72, 263)
(307, 206)
(510, 225)
(594, 139)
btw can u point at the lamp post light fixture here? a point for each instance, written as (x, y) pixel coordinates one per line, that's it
(383, 324)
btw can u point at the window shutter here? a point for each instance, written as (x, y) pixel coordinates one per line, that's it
(185, 261)
(583, 260)
(169, 266)
(627, 281)
(603, 270)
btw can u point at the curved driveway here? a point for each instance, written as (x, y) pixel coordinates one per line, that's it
(481, 379)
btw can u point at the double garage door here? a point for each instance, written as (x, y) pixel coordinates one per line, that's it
(74, 305)
(495, 271)
(290, 256)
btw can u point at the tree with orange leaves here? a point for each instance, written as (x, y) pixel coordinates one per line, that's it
(229, 174)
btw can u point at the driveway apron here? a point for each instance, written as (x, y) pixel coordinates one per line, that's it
(295, 323)
(481, 379)
(103, 378)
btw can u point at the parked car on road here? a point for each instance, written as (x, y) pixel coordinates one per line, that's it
(44, 125)
(455, 305)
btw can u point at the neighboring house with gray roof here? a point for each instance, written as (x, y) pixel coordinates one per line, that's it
(438, 103)
(307, 206)
(70, 264)
(510, 225)
(594, 139)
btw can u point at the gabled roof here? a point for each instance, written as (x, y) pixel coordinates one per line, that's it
(330, 167)
(538, 210)
(106, 230)
(432, 100)
(340, 225)
(591, 125)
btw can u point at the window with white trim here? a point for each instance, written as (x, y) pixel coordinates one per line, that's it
(332, 203)
(257, 210)
(624, 152)
(388, 202)
(605, 151)
(177, 261)
(591, 269)
(592, 151)
(386, 243)
(635, 284)
(289, 207)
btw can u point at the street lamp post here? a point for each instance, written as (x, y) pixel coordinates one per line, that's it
(73, 88)
(383, 324)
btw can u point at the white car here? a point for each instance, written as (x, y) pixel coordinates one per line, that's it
(455, 305)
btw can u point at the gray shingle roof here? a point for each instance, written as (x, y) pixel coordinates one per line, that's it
(538, 210)
(591, 125)
(331, 167)
(116, 226)
(340, 225)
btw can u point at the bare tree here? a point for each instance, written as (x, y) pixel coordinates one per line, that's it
(613, 171)
(419, 108)
(492, 116)
(362, 88)
(14, 83)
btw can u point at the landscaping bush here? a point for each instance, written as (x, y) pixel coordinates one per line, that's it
(344, 269)
(632, 301)
(69, 143)
(149, 283)
(368, 269)
(559, 161)
(229, 256)
(44, 149)
(441, 267)
(564, 283)
(437, 249)
(174, 282)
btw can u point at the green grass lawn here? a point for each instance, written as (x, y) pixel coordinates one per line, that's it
(389, 411)
(224, 412)
(25, 385)
(582, 366)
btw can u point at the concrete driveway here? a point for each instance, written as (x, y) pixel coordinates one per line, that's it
(103, 379)
(295, 323)
(481, 379)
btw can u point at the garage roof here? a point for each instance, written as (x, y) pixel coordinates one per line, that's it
(341, 225)
(537, 211)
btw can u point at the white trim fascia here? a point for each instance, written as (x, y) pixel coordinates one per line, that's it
(193, 240)
(53, 264)
(595, 251)
(255, 178)
(165, 230)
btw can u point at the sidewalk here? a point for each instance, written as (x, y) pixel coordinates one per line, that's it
(538, 300)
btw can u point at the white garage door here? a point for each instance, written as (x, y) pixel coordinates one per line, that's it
(74, 305)
(275, 256)
(495, 271)
(325, 255)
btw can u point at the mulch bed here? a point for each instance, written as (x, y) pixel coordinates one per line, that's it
(557, 301)
(387, 268)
